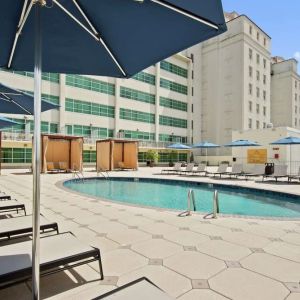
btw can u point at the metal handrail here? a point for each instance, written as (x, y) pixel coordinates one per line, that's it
(191, 204)
(77, 175)
(102, 172)
(216, 206)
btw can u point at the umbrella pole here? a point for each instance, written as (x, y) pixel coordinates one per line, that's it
(36, 154)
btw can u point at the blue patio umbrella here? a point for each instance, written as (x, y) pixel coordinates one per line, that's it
(109, 37)
(206, 145)
(5, 123)
(290, 140)
(13, 101)
(179, 147)
(242, 143)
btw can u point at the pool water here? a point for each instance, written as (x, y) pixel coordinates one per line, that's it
(172, 194)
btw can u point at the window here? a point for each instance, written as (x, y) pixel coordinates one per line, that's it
(167, 66)
(250, 89)
(296, 83)
(264, 95)
(89, 156)
(250, 71)
(257, 75)
(257, 92)
(172, 138)
(90, 84)
(173, 122)
(249, 123)
(250, 106)
(257, 124)
(52, 77)
(296, 123)
(265, 41)
(137, 95)
(89, 108)
(134, 115)
(257, 58)
(139, 135)
(250, 30)
(265, 110)
(171, 103)
(265, 63)
(89, 131)
(16, 155)
(296, 97)
(257, 35)
(264, 125)
(144, 77)
(173, 86)
(257, 108)
(250, 53)
(265, 79)
(296, 109)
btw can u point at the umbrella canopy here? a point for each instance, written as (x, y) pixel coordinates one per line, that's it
(13, 101)
(4, 122)
(111, 38)
(242, 143)
(287, 141)
(179, 147)
(206, 145)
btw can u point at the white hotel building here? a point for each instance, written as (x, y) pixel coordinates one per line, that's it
(155, 107)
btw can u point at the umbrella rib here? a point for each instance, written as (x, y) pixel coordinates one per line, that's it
(182, 12)
(8, 99)
(23, 18)
(94, 34)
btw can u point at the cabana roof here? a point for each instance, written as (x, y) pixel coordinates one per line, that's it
(60, 136)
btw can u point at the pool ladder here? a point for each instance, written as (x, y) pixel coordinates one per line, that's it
(216, 206)
(103, 173)
(78, 175)
(191, 204)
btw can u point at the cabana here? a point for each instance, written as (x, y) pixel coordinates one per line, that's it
(61, 153)
(116, 154)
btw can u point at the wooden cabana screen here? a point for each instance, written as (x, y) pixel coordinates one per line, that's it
(116, 154)
(64, 153)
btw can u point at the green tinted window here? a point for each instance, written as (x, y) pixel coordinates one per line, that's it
(134, 115)
(171, 103)
(90, 84)
(137, 95)
(173, 122)
(89, 156)
(16, 155)
(167, 66)
(172, 138)
(145, 77)
(173, 86)
(139, 135)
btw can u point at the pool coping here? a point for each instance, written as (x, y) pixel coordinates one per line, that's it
(60, 184)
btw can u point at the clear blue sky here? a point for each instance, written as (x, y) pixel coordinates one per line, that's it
(279, 19)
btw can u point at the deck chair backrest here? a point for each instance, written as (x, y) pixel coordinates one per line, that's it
(201, 167)
(177, 166)
(280, 170)
(189, 167)
(222, 168)
(237, 168)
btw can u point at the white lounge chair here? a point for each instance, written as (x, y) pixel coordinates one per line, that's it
(58, 253)
(175, 169)
(237, 169)
(188, 169)
(296, 176)
(280, 171)
(221, 170)
(13, 227)
(200, 169)
(258, 170)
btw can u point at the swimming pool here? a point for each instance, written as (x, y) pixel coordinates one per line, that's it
(172, 194)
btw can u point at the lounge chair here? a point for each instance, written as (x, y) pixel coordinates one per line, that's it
(297, 176)
(58, 253)
(221, 170)
(280, 171)
(13, 227)
(175, 169)
(188, 169)
(258, 170)
(237, 170)
(7, 205)
(200, 169)
(141, 288)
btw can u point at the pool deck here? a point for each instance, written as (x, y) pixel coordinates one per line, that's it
(190, 258)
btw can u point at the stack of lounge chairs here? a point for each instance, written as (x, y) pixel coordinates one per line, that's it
(59, 251)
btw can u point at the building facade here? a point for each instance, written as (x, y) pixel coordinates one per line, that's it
(155, 107)
(235, 81)
(285, 93)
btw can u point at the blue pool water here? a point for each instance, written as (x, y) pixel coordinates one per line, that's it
(173, 194)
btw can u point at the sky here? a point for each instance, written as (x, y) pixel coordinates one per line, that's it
(279, 19)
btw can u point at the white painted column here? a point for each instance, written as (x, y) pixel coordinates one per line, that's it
(62, 101)
(157, 95)
(117, 107)
(190, 102)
